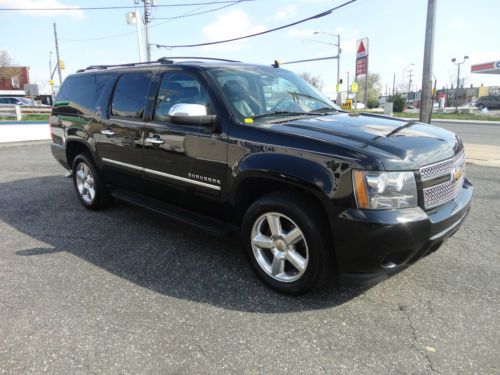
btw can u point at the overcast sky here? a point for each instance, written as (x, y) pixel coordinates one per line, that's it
(395, 29)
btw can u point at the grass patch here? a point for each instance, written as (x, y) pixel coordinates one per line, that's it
(450, 116)
(28, 118)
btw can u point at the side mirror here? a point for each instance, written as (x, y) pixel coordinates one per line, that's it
(191, 114)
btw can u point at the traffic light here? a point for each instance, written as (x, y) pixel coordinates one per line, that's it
(61, 64)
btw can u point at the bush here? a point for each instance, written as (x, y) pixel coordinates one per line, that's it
(398, 102)
(373, 103)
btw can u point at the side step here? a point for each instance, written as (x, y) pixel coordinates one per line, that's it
(201, 221)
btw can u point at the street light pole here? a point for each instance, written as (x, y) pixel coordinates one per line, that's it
(134, 17)
(454, 61)
(339, 51)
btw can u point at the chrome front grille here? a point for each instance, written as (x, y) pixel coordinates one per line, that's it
(443, 192)
(441, 168)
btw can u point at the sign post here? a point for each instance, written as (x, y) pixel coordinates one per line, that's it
(362, 64)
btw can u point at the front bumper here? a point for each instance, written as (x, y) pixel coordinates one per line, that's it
(374, 244)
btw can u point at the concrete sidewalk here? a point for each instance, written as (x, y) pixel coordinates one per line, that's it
(25, 131)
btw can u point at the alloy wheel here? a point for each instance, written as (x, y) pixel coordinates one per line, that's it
(280, 247)
(85, 183)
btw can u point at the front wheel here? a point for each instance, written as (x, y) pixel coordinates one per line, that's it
(287, 242)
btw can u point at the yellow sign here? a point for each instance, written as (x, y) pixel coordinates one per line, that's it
(52, 82)
(337, 87)
(354, 87)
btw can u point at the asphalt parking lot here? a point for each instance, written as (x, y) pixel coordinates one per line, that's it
(126, 291)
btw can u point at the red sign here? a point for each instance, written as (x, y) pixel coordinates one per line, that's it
(361, 66)
(362, 48)
(481, 67)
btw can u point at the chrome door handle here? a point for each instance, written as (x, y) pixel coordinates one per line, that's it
(107, 132)
(155, 140)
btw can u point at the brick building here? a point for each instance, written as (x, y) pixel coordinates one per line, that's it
(14, 77)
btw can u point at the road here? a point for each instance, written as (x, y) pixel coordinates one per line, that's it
(126, 291)
(474, 133)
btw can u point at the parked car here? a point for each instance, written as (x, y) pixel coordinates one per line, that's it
(11, 100)
(490, 102)
(411, 109)
(315, 192)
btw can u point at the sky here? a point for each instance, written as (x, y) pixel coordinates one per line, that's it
(395, 28)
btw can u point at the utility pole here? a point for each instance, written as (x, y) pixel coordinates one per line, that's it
(348, 87)
(366, 85)
(425, 101)
(454, 61)
(57, 55)
(393, 84)
(410, 76)
(147, 20)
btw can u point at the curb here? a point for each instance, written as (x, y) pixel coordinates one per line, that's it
(24, 143)
(479, 122)
(24, 123)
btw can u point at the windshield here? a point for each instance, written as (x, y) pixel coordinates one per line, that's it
(255, 91)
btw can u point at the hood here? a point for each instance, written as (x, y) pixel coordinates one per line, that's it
(398, 144)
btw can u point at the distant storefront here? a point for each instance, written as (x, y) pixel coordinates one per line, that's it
(14, 77)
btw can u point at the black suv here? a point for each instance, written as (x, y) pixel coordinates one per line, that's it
(315, 192)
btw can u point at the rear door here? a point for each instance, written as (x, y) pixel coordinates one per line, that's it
(119, 139)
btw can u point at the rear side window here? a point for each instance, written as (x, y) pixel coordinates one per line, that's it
(83, 91)
(130, 95)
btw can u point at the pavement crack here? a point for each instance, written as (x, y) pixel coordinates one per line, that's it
(414, 335)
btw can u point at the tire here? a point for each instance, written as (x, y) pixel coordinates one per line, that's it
(287, 260)
(480, 106)
(88, 184)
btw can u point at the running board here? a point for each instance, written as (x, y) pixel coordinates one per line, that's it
(198, 220)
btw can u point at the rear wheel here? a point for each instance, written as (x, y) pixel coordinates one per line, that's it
(287, 243)
(89, 187)
(480, 106)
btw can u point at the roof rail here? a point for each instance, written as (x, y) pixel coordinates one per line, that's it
(197, 58)
(162, 60)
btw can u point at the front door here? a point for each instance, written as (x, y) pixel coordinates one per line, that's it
(183, 161)
(119, 140)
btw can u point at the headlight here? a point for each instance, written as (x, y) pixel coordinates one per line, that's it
(384, 190)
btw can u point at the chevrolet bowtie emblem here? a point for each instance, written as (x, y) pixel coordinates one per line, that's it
(456, 174)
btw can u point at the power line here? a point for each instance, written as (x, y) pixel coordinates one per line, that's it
(316, 16)
(187, 14)
(198, 13)
(120, 7)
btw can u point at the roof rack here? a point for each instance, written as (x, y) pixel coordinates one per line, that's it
(163, 60)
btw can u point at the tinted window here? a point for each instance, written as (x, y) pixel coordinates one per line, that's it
(130, 94)
(83, 91)
(180, 88)
(4, 100)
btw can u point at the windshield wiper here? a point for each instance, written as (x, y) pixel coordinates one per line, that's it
(275, 113)
(327, 109)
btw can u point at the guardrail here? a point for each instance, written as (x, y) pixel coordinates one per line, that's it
(18, 111)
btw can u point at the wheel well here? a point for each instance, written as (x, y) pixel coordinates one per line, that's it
(254, 188)
(73, 149)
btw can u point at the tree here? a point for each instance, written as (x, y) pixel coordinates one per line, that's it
(5, 59)
(374, 88)
(398, 102)
(316, 81)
